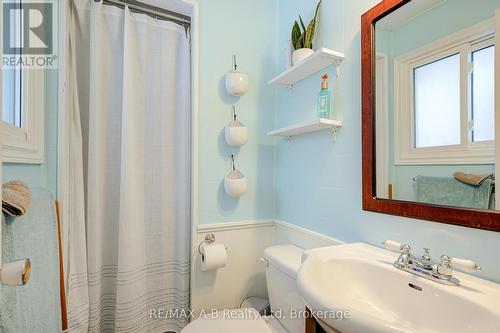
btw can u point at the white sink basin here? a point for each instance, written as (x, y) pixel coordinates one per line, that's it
(360, 279)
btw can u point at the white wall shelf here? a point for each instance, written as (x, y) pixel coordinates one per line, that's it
(321, 59)
(319, 124)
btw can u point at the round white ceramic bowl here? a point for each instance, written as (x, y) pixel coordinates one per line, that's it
(236, 83)
(235, 183)
(236, 134)
(301, 54)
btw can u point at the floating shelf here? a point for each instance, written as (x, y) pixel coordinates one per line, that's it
(322, 58)
(308, 127)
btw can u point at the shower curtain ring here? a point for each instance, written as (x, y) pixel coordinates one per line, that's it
(232, 157)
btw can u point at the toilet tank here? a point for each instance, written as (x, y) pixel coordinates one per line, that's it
(281, 275)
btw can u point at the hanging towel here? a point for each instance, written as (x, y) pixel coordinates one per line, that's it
(35, 307)
(448, 191)
(8, 314)
(471, 179)
(16, 198)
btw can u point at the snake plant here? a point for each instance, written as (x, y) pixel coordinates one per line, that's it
(302, 37)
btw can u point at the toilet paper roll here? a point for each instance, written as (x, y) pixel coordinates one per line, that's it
(213, 257)
(15, 273)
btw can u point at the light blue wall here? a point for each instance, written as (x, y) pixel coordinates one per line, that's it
(318, 182)
(45, 174)
(417, 33)
(442, 20)
(247, 29)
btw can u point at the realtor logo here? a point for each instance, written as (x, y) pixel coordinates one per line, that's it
(29, 34)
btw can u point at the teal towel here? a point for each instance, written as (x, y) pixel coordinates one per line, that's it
(35, 307)
(450, 192)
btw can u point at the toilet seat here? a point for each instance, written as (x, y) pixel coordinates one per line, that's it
(229, 321)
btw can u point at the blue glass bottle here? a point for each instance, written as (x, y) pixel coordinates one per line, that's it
(324, 99)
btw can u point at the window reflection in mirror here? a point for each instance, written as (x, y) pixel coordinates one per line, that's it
(435, 110)
(482, 85)
(436, 100)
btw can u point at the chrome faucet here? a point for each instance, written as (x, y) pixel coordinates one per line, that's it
(441, 272)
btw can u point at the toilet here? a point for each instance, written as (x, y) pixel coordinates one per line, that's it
(283, 263)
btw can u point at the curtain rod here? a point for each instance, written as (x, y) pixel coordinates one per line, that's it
(153, 11)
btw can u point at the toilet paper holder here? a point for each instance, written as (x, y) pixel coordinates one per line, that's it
(209, 239)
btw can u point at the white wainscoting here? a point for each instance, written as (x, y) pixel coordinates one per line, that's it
(286, 233)
(244, 274)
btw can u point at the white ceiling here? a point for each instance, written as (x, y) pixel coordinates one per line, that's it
(406, 13)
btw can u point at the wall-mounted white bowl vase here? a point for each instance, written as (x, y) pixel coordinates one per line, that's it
(236, 83)
(301, 54)
(236, 134)
(235, 182)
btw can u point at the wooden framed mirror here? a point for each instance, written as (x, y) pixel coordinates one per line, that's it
(428, 110)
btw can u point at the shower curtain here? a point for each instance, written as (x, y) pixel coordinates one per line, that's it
(129, 247)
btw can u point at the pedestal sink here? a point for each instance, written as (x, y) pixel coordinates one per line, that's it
(359, 281)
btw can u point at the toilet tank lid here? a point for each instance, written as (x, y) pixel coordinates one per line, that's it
(286, 258)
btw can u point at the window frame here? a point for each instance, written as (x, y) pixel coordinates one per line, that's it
(463, 42)
(25, 144)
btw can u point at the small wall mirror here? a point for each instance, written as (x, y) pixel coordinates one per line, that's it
(432, 108)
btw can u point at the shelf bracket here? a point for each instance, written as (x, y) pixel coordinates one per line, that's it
(290, 90)
(289, 138)
(337, 70)
(334, 133)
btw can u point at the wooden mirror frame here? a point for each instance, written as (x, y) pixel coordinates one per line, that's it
(474, 218)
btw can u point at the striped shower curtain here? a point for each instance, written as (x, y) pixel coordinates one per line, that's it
(129, 234)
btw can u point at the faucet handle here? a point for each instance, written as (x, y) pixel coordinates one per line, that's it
(427, 254)
(444, 268)
(447, 264)
(465, 265)
(395, 246)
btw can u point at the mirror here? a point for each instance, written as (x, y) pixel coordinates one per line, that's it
(434, 104)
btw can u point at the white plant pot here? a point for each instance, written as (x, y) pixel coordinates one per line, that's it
(236, 83)
(301, 54)
(236, 134)
(235, 183)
